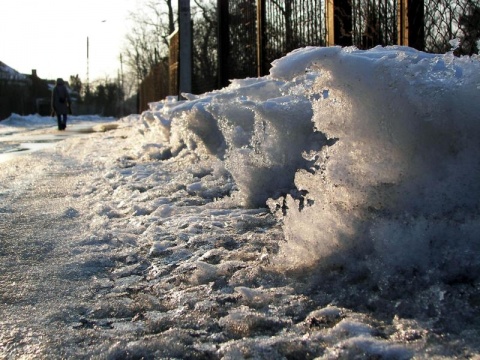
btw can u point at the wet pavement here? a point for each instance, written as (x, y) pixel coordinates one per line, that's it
(16, 142)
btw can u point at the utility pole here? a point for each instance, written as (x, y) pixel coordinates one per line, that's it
(88, 66)
(261, 24)
(223, 43)
(185, 33)
(122, 89)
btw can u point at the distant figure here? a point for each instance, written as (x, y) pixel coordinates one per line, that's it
(61, 103)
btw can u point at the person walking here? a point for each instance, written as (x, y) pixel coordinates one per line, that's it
(61, 103)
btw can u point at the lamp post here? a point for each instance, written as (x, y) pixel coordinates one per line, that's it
(88, 65)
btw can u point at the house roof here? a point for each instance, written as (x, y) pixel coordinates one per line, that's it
(8, 73)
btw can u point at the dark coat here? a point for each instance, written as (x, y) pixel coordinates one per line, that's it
(60, 98)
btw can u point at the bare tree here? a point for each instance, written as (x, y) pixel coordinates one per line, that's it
(147, 42)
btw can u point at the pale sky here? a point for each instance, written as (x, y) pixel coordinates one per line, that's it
(51, 36)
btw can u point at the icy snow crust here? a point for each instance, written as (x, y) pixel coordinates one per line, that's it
(329, 210)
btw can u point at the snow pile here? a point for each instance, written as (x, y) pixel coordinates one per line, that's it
(328, 210)
(401, 183)
(370, 157)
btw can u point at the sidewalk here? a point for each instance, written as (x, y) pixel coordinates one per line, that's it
(43, 275)
(18, 142)
(104, 248)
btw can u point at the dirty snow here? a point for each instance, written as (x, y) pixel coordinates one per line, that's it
(329, 210)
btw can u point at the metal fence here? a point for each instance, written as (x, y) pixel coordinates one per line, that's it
(292, 24)
(242, 28)
(253, 33)
(284, 25)
(447, 20)
(280, 26)
(374, 23)
(155, 86)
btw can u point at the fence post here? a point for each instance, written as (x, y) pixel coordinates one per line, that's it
(402, 22)
(339, 22)
(261, 21)
(223, 42)
(185, 33)
(411, 26)
(173, 63)
(330, 23)
(416, 23)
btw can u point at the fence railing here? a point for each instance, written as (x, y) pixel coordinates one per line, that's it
(263, 30)
(253, 33)
(447, 20)
(155, 85)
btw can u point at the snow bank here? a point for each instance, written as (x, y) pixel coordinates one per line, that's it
(400, 185)
(369, 157)
(368, 161)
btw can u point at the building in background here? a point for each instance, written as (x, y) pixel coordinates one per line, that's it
(23, 94)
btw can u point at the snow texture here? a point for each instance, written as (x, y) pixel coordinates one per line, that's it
(329, 210)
